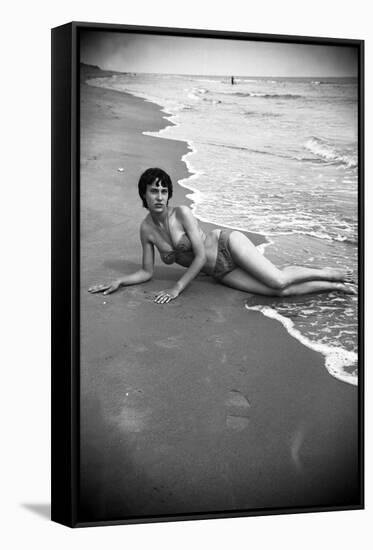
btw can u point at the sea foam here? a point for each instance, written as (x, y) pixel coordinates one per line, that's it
(336, 359)
(327, 152)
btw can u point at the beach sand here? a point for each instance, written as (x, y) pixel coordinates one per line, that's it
(198, 405)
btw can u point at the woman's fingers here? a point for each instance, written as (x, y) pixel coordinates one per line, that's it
(98, 288)
(104, 288)
(112, 288)
(162, 298)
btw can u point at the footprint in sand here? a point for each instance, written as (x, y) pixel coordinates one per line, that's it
(170, 343)
(238, 411)
(218, 341)
(295, 447)
(134, 415)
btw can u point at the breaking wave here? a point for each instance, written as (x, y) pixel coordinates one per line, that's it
(267, 96)
(327, 152)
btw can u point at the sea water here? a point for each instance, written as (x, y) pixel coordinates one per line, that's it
(275, 156)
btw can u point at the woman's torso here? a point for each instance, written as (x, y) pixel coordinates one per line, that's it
(174, 245)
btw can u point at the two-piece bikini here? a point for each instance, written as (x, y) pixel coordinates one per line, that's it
(224, 262)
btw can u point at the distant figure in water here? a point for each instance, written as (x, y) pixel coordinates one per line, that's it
(232, 80)
(226, 255)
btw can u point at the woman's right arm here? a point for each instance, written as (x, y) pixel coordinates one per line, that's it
(141, 276)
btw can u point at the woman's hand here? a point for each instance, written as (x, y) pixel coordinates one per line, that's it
(166, 296)
(107, 288)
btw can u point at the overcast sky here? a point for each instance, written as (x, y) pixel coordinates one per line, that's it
(187, 55)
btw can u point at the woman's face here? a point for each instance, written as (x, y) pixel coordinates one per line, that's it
(156, 196)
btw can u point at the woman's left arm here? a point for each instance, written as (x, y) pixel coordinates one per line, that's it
(191, 228)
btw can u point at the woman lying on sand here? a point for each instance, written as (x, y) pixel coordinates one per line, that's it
(228, 256)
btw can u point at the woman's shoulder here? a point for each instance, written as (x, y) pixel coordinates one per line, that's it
(146, 227)
(182, 211)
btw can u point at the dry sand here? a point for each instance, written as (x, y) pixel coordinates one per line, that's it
(198, 405)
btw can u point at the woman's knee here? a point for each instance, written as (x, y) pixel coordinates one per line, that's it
(279, 282)
(281, 292)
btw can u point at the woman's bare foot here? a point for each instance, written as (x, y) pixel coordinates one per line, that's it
(339, 274)
(348, 288)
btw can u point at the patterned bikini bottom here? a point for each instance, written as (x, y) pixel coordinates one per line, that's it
(224, 261)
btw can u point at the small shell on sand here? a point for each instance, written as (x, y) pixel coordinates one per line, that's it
(120, 169)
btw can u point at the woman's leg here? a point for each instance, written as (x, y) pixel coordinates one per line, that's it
(247, 257)
(241, 280)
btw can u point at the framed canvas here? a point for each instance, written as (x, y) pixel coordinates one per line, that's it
(207, 276)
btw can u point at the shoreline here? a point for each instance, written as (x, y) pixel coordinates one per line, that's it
(258, 239)
(335, 358)
(198, 405)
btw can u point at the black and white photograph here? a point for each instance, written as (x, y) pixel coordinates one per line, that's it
(219, 275)
(186, 264)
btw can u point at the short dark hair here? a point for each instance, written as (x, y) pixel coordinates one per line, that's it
(148, 177)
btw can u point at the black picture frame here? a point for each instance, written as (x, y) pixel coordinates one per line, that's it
(66, 406)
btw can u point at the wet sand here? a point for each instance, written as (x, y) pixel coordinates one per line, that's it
(198, 405)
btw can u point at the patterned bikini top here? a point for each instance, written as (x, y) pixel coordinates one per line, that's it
(177, 254)
(183, 246)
